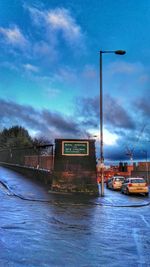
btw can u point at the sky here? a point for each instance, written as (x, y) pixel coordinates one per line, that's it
(49, 71)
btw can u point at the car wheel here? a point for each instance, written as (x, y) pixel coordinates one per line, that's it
(146, 194)
(122, 191)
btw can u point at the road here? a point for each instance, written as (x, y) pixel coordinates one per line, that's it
(41, 229)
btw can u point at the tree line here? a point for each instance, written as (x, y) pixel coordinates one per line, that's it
(17, 136)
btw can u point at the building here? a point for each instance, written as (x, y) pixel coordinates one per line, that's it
(142, 169)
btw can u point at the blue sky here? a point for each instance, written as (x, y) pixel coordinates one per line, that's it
(49, 71)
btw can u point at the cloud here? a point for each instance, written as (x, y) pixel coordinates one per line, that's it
(53, 125)
(60, 123)
(114, 154)
(13, 36)
(114, 114)
(143, 106)
(50, 30)
(119, 128)
(45, 51)
(66, 74)
(117, 115)
(58, 23)
(61, 20)
(44, 122)
(30, 67)
(125, 67)
(133, 141)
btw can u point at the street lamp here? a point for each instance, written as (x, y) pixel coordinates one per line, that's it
(117, 52)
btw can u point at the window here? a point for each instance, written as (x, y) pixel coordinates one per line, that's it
(119, 179)
(137, 181)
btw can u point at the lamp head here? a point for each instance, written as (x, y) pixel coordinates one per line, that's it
(120, 52)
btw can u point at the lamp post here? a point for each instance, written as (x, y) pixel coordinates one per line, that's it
(117, 52)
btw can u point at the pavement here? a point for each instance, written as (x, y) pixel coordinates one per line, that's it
(117, 199)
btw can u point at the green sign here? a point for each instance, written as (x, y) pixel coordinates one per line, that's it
(74, 148)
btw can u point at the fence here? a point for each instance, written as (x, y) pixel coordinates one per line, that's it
(41, 156)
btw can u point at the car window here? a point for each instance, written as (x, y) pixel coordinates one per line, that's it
(119, 179)
(137, 181)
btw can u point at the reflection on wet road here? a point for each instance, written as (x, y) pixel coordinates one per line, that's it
(38, 228)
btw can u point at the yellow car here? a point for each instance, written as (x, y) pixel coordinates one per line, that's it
(135, 186)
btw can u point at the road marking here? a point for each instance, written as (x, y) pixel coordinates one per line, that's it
(139, 247)
(146, 222)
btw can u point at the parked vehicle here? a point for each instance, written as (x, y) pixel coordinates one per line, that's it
(135, 186)
(108, 180)
(115, 182)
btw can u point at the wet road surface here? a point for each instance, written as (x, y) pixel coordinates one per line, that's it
(38, 228)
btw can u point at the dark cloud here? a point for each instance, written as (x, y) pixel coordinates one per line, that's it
(87, 107)
(65, 125)
(53, 125)
(12, 112)
(117, 153)
(143, 106)
(114, 114)
(117, 115)
(136, 141)
(46, 123)
(131, 134)
(121, 152)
